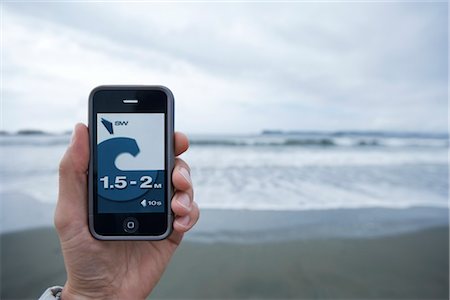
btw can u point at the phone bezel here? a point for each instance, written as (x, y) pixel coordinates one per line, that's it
(108, 99)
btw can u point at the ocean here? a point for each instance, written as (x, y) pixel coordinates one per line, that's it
(271, 171)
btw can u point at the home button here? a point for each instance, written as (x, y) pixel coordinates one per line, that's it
(130, 225)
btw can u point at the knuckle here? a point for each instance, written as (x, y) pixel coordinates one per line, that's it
(59, 221)
(181, 163)
(195, 212)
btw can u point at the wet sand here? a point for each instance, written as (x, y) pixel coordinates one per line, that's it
(410, 265)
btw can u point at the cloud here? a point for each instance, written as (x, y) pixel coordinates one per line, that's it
(233, 67)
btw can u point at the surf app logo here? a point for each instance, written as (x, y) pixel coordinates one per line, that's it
(130, 166)
(108, 126)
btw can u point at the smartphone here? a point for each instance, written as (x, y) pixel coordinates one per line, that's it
(131, 162)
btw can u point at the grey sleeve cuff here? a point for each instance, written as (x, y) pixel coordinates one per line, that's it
(52, 293)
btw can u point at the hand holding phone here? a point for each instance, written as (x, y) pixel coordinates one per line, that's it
(115, 269)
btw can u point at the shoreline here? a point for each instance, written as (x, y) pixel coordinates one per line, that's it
(249, 226)
(253, 226)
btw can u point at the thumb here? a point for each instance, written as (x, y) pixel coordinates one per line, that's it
(71, 209)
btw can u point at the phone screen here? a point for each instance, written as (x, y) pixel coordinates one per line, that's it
(130, 163)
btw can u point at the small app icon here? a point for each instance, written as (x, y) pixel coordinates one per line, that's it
(108, 125)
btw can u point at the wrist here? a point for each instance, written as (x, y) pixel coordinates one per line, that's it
(70, 293)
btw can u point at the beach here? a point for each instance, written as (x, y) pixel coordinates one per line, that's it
(407, 264)
(300, 216)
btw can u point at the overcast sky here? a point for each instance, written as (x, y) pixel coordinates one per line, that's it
(234, 68)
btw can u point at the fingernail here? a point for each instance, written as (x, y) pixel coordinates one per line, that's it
(185, 174)
(184, 221)
(184, 201)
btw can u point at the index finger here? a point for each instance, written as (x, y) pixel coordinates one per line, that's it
(181, 143)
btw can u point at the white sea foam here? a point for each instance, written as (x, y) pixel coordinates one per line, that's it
(275, 177)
